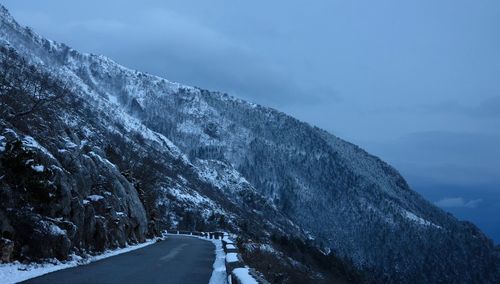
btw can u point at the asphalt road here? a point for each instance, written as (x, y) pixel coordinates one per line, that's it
(178, 259)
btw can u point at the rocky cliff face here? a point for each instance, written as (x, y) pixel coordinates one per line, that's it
(124, 154)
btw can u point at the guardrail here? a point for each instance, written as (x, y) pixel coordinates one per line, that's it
(236, 270)
(239, 272)
(208, 235)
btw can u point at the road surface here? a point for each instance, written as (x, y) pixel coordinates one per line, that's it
(178, 259)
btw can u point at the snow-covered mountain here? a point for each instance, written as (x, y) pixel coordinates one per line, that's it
(125, 154)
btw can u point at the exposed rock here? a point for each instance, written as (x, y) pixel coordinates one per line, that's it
(6, 249)
(40, 238)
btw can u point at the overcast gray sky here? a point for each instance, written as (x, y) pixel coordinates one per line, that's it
(415, 82)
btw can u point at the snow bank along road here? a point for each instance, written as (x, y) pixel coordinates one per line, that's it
(178, 259)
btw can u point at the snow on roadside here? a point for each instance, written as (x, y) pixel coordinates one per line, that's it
(227, 238)
(243, 274)
(232, 257)
(17, 272)
(219, 273)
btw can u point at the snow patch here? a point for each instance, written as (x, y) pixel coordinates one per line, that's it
(219, 272)
(243, 275)
(51, 228)
(189, 127)
(421, 221)
(2, 143)
(103, 160)
(192, 197)
(228, 239)
(56, 231)
(30, 142)
(221, 175)
(95, 197)
(113, 99)
(232, 257)
(83, 143)
(38, 168)
(11, 131)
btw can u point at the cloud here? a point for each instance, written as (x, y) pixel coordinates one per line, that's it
(190, 50)
(458, 202)
(445, 157)
(487, 108)
(102, 26)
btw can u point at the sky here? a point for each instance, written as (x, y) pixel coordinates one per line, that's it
(415, 82)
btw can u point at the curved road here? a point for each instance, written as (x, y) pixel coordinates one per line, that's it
(178, 259)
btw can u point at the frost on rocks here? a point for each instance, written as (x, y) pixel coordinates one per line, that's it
(38, 168)
(56, 231)
(52, 228)
(31, 143)
(222, 175)
(103, 160)
(192, 197)
(2, 143)
(95, 197)
(70, 144)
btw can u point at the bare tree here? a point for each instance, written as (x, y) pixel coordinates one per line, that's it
(24, 88)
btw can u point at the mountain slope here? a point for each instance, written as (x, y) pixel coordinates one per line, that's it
(254, 165)
(80, 175)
